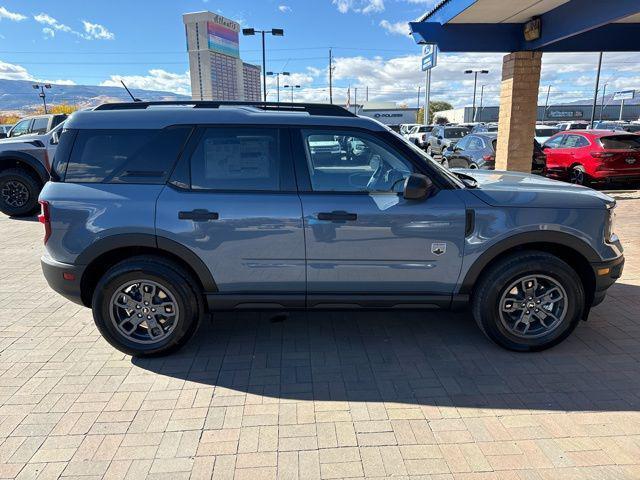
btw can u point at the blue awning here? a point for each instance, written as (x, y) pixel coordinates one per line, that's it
(570, 26)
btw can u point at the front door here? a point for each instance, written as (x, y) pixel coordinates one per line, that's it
(233, 202)
(362, 237)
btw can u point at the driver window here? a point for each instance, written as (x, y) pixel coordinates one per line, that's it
(353, 162)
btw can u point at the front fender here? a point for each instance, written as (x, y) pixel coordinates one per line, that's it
(8, 156)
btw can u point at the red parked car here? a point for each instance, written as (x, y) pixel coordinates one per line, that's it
(586, 157)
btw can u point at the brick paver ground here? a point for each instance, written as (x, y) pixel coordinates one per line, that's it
(318, 395)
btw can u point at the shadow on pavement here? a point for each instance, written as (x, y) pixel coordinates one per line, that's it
(416, 358)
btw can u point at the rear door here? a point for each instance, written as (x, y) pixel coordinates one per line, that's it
(232, 201)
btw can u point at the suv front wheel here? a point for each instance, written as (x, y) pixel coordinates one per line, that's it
(528, 301)
(146, 306)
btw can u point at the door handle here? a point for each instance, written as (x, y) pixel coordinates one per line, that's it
(338, 216)
(198, 215)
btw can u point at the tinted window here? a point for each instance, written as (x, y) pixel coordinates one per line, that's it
(21, 128)
(125, 156)
(61, 157)
(462, 144)
(475, 143)
(40, 125)
(621, 142)
(354, 162)
(554, 142)
(455, 132)
(574, 141)
(237, 159)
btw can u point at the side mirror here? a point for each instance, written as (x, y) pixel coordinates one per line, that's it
(417, 187)
(55, 138)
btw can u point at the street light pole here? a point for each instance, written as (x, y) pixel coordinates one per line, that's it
(475, 83)
(604, 92)
(292, 87)
(277, 75)
(481, 97)
(546, 104)
(42, 95)
(276, 32)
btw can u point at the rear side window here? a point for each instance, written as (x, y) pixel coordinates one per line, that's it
(621, 142)
(245, 159)
(40, 125)
(125, 156)
(574, 141)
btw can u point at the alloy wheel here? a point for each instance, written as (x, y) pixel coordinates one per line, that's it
(14, 193)
(144, 311)
(533, 306)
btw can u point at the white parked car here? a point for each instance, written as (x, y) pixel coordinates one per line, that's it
(419, 135)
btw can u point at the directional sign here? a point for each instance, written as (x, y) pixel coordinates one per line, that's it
(624, 95)
(429, 57)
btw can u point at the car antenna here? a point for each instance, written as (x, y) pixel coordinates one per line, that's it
(129, 92)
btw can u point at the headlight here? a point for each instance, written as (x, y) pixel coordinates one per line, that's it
(610, 232)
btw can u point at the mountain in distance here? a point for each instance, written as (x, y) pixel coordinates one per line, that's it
(19, 95)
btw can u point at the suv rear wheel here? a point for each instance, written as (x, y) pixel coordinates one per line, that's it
(528, 301)
(146, 306)
(19, 192)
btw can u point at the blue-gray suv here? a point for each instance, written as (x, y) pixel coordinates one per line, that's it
(158, 214)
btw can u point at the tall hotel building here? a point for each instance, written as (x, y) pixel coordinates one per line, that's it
(217, 72)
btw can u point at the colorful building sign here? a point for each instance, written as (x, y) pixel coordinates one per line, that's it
(223, 36)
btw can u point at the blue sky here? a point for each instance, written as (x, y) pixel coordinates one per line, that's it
(93, 42)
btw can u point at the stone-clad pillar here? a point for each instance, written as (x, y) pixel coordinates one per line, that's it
(518, 110)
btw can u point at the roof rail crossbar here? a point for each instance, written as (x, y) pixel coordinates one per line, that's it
(310, 108)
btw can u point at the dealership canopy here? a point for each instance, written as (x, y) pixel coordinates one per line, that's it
(527, 28)
(531, 25)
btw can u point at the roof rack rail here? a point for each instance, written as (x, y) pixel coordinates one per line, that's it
(310, 108)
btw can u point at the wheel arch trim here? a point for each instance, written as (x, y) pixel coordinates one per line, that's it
(30, 160)
(521, 240)
(161, 244)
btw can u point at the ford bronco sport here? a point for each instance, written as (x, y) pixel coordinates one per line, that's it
(156, 215)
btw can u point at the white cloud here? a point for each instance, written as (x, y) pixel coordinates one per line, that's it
(13, 16)
(48, 32)
(359, 6)
(157, 79)
(92, 31)
(95, 31)
(397, 28)
(284, 8)
(10, 71)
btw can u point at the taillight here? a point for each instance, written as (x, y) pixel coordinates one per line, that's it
(602, 154)
(489, 158)
(45, 219)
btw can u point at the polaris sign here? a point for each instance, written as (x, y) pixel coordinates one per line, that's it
(391, 117)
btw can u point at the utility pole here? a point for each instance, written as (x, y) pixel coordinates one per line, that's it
(481, 95)
(355, 100)
(475, 83)
(367, 94)
(331, 76)
(546, 104)
(595, 93)
(427, 93)
(419, 87)
(604, 93)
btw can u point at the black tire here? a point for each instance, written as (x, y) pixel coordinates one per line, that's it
(173, 278)
(578, 176)
(494, 282)
(28, 185)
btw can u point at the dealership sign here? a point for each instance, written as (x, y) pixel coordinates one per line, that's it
(391, 117)
(565, 114)
(624, 95)
(429, 57)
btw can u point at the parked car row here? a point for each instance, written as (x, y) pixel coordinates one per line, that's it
(25, 162)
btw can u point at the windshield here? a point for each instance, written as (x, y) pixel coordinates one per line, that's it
(424, 129)
(447, 173)
(455, 132)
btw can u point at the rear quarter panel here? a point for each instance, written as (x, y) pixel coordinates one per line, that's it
(82, 214)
